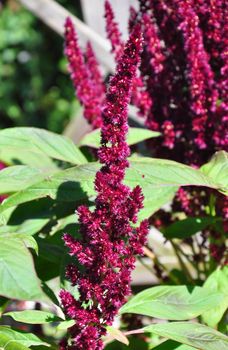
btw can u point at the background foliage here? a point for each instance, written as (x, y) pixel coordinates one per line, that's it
(35, 89)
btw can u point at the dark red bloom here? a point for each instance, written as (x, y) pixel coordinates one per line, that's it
(108, 240)
(85, 76)
(139, 96)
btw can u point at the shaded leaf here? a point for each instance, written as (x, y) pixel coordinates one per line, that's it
(188, 227)
(158, 178)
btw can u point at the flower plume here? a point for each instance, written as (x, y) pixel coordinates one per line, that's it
(108, 240)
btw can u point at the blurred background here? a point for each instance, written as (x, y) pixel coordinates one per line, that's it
(35, 88)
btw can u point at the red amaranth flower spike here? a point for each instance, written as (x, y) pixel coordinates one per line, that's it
(199, 72)
(153, 46)
(113, 31)
(140, 97)
(132, 18)
(88, 92)
(94, 71)
(108, 241)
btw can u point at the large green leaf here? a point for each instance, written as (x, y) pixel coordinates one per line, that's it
(193, 334)
(17, 275)
(17, 340)
(28, 227)
(33, 316)
(168, 173)
(135, 135)
(188, 227)
(65, 325)
(41, 142)
(6, 343)
(217, 170)
(172, 302)
(27, 157)
(217, 281)
(158, 178)
(18, 177)
(73, 184)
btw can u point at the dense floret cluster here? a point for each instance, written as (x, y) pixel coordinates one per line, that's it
(109, 242)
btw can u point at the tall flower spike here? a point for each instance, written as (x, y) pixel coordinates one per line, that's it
(154, 46)
(94, 71)
(199, 72)
(88, 92)
(108, 241)
(113, 32)
(132, 18)
(140, 97)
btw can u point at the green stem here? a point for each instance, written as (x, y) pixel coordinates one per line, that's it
(155, 260)
(181, 262)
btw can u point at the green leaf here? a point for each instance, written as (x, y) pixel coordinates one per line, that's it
(188, 227)
(65, 325)
(193, 334)
(33, 316)
(18, 340)
(117, 335)
(172, 302)
(172, 345)
(217, 170)
(29, 241)
(40, 141)
(6, 343)
(67, 185)
(17, 275)
(135, 135)
(18, 177)
(12, 157)
(28, 227)
(217, 282)
(159, 180)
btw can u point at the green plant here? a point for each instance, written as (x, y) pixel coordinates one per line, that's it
(47, 175)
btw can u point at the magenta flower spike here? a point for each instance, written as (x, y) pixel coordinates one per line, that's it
(139, 97)
(89, 92)
(94, 72)
(108, 243)
(202, 85)
(113, 31)
(132, 18)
